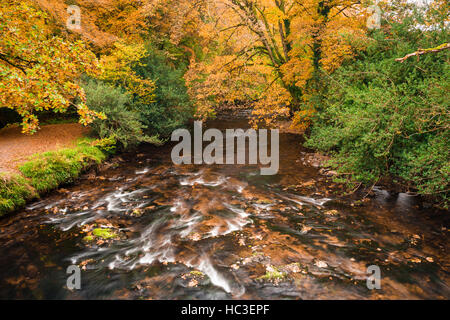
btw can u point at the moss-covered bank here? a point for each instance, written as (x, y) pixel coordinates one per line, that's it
(46, 171)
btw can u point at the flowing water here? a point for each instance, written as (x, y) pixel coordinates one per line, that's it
(222, 232)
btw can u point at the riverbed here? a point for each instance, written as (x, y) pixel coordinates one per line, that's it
(222, 232)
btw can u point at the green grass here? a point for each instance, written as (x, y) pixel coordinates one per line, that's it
(14, 192)
(47, 171)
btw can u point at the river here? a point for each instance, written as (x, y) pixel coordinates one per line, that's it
(222, 232)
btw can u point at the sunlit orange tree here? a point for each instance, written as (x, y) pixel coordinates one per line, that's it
(38, 70)
(271, 51)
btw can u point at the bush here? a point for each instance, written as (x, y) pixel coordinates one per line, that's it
(123, 123)
(172, 106)
(384, 118)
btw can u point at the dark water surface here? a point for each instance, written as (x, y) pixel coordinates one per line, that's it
(222, 232)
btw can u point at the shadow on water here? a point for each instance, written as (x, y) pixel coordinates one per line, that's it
(221, 232)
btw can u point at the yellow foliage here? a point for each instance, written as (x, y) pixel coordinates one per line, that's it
(302, 119)
(39, 71)
(117, 67)
(268, 51)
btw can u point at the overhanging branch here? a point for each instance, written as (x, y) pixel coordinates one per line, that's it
(420, 52)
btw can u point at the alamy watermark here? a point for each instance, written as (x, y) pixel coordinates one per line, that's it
(222, 151)
(74, 280)
(374, 279)
(73, 22)
(374, 20)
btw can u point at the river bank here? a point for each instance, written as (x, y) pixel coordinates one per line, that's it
(16, 147)
(322, 161)
(74, 153)
(28, 169)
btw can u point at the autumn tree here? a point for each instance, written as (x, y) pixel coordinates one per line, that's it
(102, 22)
(38, 70)
(119, 29)
(117, 67)
(272, 49)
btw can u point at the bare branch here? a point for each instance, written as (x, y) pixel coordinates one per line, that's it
(420, 52)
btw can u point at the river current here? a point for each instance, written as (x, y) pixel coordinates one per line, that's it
(222, 232)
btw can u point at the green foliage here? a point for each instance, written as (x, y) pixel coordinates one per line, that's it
(48, 170)
(14, 192)
(172, 107)
(122, 122)
(106, 145)
(131, 121)
(380, 117)
(273, 274)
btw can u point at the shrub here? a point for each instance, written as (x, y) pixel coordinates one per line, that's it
(122, 123)
(172, 106)
(384, 118)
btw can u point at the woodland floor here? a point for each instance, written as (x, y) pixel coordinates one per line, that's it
(16, 147)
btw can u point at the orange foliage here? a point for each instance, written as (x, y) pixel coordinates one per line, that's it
(39, 71)
(269, 51)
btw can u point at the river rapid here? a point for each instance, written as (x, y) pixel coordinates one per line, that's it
(222, 232)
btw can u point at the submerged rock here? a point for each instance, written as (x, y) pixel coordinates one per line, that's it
(104, 233)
